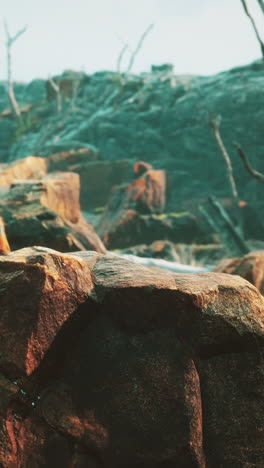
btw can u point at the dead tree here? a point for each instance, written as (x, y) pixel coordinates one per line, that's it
(11, 94)
(138, 47)
(257, 175)
(57, 90)
(215, 125)
(261, 4)
(133, 53)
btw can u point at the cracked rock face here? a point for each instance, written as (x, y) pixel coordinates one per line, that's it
(107, 364)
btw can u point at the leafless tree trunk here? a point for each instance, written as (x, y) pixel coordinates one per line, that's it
(261, 43)
(57, 90)
(11, 94)
(249, 168)
(261, 4)
(215, 127)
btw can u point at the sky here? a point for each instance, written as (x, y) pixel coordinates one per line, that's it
(197, 36)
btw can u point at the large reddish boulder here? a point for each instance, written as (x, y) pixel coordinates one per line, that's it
(119, 366)
(250, 267)
(31, 167)
(47, 212)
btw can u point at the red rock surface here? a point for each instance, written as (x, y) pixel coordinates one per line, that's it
(141, 167)
(118, 366)
(31, 167)
(4, 244)
(61, 193)
(47, 212)
(250, 267)
(148, 192)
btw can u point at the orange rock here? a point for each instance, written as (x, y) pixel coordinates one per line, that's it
(4, 245)
(250, 267)
(31, 167)
(141, 167)
(47, 211)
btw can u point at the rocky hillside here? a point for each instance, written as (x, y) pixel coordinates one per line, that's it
(159, 117)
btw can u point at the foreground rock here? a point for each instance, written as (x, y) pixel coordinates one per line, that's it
(47, 211)
(250, 267)
(118, 366)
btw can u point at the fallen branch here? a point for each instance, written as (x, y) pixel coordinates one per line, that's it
(261, 43)
(219, 221)
(248, 167)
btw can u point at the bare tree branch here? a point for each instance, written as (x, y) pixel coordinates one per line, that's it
(120, 58)
(215, 127)
(261, 4)
(57, 90)
(261, 43)
(11, 94)
(248, 167)
(137, 49)
(10, 39)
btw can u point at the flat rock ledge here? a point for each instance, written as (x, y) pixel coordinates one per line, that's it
(108, 364)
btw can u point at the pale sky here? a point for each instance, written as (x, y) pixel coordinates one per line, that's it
(197, 36)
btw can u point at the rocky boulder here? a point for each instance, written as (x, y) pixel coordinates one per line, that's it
(250, 267)
(4, 244)
(31, 167)
(47, 211)
(116, 365)
(120, 228)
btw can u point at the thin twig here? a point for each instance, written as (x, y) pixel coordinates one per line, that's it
(10, 39)
(120, 58)
(257, 175)
(261, 4)
(261, 43)
(137, 49)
